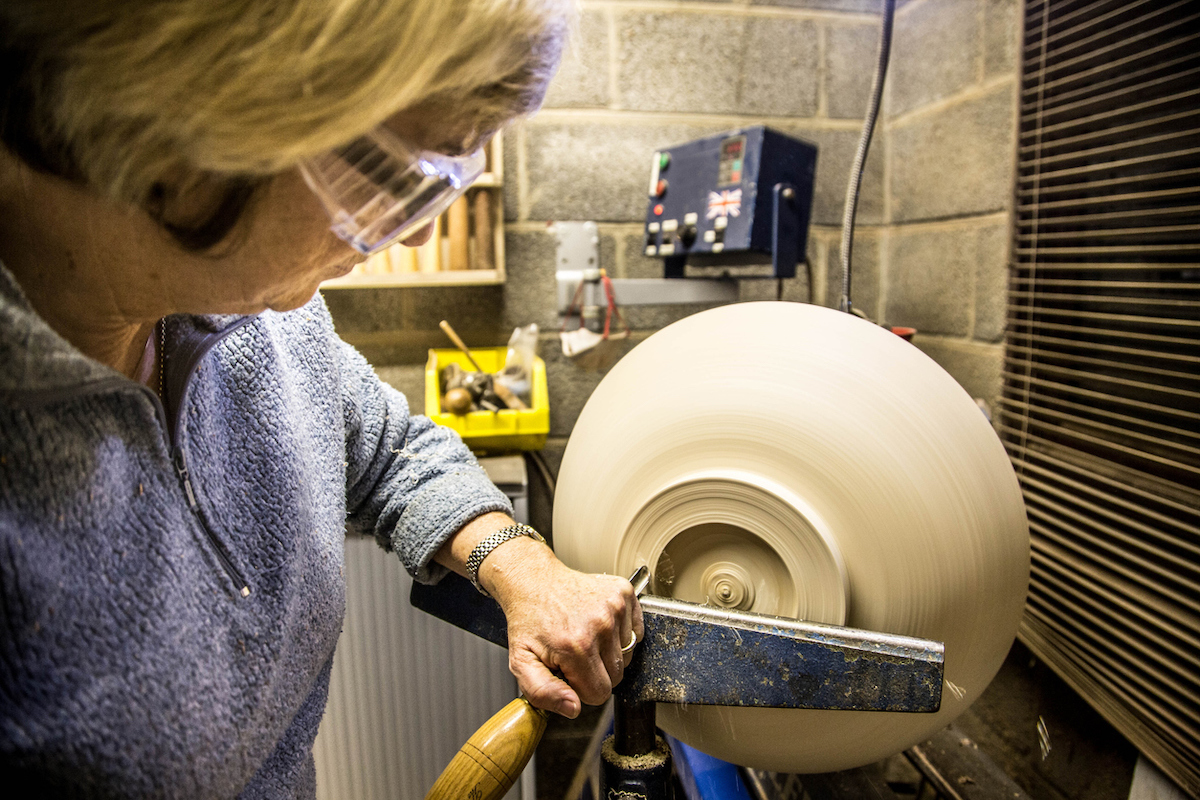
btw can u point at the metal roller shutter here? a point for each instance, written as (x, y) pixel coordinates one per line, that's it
(1101, 406)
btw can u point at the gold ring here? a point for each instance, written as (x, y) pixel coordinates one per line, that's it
(632, 642)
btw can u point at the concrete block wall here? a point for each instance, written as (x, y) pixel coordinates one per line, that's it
(948, 136)
(931, 247)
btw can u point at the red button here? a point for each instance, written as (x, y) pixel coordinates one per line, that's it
(658, 209)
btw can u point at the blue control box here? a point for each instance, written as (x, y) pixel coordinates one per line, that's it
(729, 200)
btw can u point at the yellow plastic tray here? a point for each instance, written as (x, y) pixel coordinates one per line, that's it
(491, 430)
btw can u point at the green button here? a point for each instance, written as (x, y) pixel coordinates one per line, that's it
(664, 159)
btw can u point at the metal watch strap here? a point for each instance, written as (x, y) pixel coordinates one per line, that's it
(484, 548)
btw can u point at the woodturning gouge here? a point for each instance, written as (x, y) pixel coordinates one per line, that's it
(689, 654)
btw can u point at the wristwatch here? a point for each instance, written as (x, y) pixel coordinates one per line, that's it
(484, 549)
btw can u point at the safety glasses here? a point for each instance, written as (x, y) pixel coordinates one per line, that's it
(378, 190)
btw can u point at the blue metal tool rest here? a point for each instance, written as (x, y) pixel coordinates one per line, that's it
(694, 654)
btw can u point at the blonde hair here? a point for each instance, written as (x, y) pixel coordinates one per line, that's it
(122, 93)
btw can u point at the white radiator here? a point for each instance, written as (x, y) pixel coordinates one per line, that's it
(407, 689)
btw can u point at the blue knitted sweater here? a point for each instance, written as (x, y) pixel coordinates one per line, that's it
(171, 579)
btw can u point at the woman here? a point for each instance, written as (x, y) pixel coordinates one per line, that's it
(183, 438)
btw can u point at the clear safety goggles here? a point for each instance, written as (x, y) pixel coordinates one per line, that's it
(378, 190)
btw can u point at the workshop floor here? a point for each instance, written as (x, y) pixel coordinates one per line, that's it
(1086, 757)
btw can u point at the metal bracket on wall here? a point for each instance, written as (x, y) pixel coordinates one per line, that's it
(578, 262)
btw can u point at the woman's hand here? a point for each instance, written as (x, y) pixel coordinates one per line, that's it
(566, 629)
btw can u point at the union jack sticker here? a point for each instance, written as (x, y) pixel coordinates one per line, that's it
(726, 203)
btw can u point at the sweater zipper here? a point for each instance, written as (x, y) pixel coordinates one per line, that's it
(178, 379)
(217, 547)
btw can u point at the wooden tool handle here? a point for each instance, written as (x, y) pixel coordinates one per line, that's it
(485, 258)
(487, 766)
(457, 223)
(457, 401)
(506, 394)
(429, 255)
(445, 326)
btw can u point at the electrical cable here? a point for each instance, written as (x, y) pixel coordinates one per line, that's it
(543, 470)
(864, 144)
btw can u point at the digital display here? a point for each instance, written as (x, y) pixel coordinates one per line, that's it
(733, 152)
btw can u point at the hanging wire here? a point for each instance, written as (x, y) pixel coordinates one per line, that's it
(864, 144)
(543, 470)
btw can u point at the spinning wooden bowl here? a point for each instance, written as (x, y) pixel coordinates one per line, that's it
(790, 459)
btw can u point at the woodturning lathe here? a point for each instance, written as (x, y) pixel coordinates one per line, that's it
(790, 460)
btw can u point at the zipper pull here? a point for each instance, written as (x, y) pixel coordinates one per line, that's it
(181, 469)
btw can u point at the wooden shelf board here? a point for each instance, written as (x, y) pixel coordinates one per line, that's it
(465, 277)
